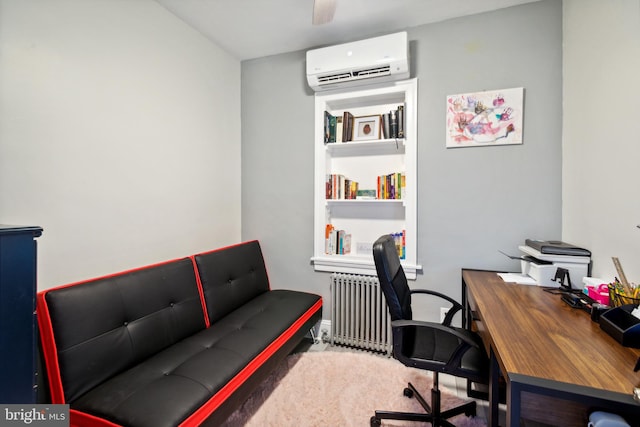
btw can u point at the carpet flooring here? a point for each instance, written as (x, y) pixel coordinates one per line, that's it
(339, 389)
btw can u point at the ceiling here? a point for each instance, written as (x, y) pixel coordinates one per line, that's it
(255, 28)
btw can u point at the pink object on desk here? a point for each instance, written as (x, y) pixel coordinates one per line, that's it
(600, 294)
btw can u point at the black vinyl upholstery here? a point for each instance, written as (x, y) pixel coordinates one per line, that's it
(178, 343)
(231, 277)
(426, 345)
(109, 325)
(195, 369)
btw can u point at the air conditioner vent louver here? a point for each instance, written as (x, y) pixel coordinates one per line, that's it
(372, 72)
(332, 78)
(355, 75)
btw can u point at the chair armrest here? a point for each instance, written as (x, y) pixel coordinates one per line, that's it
(454, 361)
(455, 305)
(448, 329)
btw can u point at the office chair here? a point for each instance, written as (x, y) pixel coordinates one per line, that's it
(425, 345)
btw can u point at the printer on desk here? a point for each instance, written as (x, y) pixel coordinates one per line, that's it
(543, 257)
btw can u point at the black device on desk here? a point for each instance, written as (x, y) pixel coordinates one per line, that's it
(576, 301)
(562, 274)
(572, 297)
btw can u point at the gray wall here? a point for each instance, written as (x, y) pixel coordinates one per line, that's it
(471, 201)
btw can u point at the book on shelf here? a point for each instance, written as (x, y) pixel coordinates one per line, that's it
(393, 123)
(391, 186)
(337, 186)
(338, 129)
(400, 242)
(385, 126)
(347, 126)
(337, 242)
(366, 194)
(330, 122)
(346, 244)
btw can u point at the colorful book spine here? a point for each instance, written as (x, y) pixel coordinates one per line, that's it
(338, 186)
(337, 242)
(400, 242)
(391, 186)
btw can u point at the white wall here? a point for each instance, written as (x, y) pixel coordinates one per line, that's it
(601, 132)
(119, 135)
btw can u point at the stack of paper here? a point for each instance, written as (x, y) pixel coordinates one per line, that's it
(521, 279)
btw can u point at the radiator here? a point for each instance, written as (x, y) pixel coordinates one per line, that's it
(359, 314)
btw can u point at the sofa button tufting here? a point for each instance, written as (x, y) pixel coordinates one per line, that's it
(203, 350)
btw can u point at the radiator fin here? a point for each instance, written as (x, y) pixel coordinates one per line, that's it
(359, 314)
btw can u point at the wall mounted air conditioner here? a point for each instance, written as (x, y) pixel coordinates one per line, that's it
(367, 61)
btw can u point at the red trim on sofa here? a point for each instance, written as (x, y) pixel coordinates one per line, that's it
(49, 349)
(200, 291)
(82, 419)
(120, 273)
(202, 413)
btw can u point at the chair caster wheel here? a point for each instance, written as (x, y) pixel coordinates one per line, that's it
(408, 392)
(375, 422)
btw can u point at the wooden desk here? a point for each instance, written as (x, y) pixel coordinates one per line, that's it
(558, 364)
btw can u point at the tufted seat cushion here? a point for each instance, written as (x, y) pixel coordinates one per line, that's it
(105, 326)
(195, 371)
(180, 343)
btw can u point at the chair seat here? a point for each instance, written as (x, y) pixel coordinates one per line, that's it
(432, 348)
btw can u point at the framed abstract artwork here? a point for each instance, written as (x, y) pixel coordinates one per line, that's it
(485, 118)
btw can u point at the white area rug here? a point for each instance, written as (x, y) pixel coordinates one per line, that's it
(339, 389)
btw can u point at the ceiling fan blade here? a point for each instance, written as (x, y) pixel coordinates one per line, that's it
(323, 11)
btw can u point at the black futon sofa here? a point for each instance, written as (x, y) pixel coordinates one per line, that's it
(180, 343)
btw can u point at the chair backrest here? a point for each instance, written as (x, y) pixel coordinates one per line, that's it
(392, 278)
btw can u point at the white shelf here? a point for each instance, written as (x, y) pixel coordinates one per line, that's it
(365, 201)
(366, 148)
(363, 162)
(355, 264)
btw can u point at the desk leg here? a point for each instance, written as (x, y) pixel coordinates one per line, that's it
(494, 389)
(513, 403)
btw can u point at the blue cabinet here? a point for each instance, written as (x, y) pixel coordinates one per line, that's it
(18, 250)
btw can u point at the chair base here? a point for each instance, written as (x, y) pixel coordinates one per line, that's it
(433, 416)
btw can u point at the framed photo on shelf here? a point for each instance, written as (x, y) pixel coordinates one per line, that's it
(366, 127)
